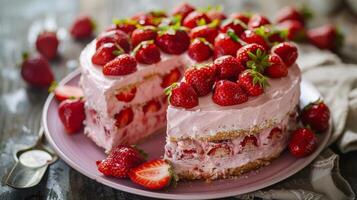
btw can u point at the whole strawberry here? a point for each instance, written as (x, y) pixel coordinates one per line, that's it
(106, 53)
(201, 79)
(204, 31)
(200, 50)
(117, 37)
(71, 114)
(235, 24)
(195, 18)
(251, 37)
(120, 161)
(147, 53)
(143, 34)
(295, 30)
(277, 68)
(47, 44)
(173, 40)
(227, 93)
(82, 27)
(257, 20)
(126, 95)
(325, 37)
(226, 44)
(36, 71)
(216, 14)
(287, 51)
(253, 56)
(227, 67)
(303, 142)
(125, 25)
(244, 17)
(316, 115)
(183, 10)
(121, 65)
(252, 82)
(182, 95)
(293, 13)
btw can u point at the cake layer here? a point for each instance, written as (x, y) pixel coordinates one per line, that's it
(208, 119)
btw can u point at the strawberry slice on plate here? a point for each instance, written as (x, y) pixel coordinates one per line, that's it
(154, 175)
(63, 92)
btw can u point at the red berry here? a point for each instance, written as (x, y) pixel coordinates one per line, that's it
(277, 68)
(71, 114)
(171, 78)
(250, 140)
(194, 18)
(147, 53)
(182, 95)
(106, 53)
(143, 34)
(121, 65)
(316, 115)
(126, 95)
(325, 37)
(124, 117)
(303, 142)
(290, 13)
(173, 41)
(235, 24)
(250, 37)
(227, 93)
(64, 92)
(183, 10)
(200, 50)
(253, 56)
(227, 67)
(125, 25)
(47, 44)
(201, 79)
(154, 175)
(204, 31)
(244, 17)
(226, 44)
(36, 71)
(287, 52)
(152, 106)
(120, 161)
(295, 29)
(220, 150)
(152, 18)
(82, 27)
(257, 20)
(117, 37)
(252, 82)
(216, 15)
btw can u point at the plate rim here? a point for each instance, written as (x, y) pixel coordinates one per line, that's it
(143, 192)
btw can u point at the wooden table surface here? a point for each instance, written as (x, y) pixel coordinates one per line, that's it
(21, 107)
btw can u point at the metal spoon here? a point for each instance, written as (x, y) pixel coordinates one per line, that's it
(31, 164)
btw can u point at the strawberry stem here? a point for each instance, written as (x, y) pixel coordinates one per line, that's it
(232, 35)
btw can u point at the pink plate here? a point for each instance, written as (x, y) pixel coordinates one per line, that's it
(81, 153)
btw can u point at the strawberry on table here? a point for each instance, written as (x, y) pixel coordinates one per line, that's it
(201, 79)
(154, 175)
(235, 24)
(173, 40)
(257, 20)
(227, 67)
(287, 51)
(292, 13)
(120, 161)
(277, 68)
(252, 82)
(106, 53)
(325, 37)
(200, 50)
(125, 25)
(228, 93)
(147, 53)
(127, 94)
(226, 44)
(303, 142)
(122, 65)
(182, 95)
(195, 18)
(143, 34)
(36, 71)
(251, 37)
(82, 27)
(253, 56)
(171, 78)
(47, 44)
(63, 92)
(124, 117)
(316, 115)
(205, 31)
(295, 30)
(71, 114)
(115, 36)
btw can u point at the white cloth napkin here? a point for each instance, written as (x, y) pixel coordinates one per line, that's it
(337, 83)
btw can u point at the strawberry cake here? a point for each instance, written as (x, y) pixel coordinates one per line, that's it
(226, 88)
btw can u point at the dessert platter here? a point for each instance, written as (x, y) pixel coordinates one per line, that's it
(215, 104)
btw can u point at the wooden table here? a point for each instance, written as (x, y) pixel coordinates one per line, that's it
(21, 107)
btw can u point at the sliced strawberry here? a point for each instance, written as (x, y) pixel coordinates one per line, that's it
(275, 133)
(121, 65)
(195, 18)
(287, 52)
(257, 20)
(154, 175)
(227, 93)
(220, 150)
(277, 68)
(188, 154)
(64, 92)
(200, 50)
(303, 142)
(227, 67)
(252, 82)
(106, 53)
(71, 114)
(152, 106)
(147, 53)
(201, 79)
(127, 94)
(316, 115)
(143, 34)
(171, 78)
(226, 44)
(182, 95)
(251, 37)
(249, 141)
(205, 31)
(117, 37)
(124, 117)
(47, 44)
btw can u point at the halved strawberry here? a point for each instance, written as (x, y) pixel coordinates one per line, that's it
(124, 117)
(249, 140)
(152, 106)
(64, 92)
(220, 150)
(126, 95)
(154, 175)
(71, 113)
(171, 78)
